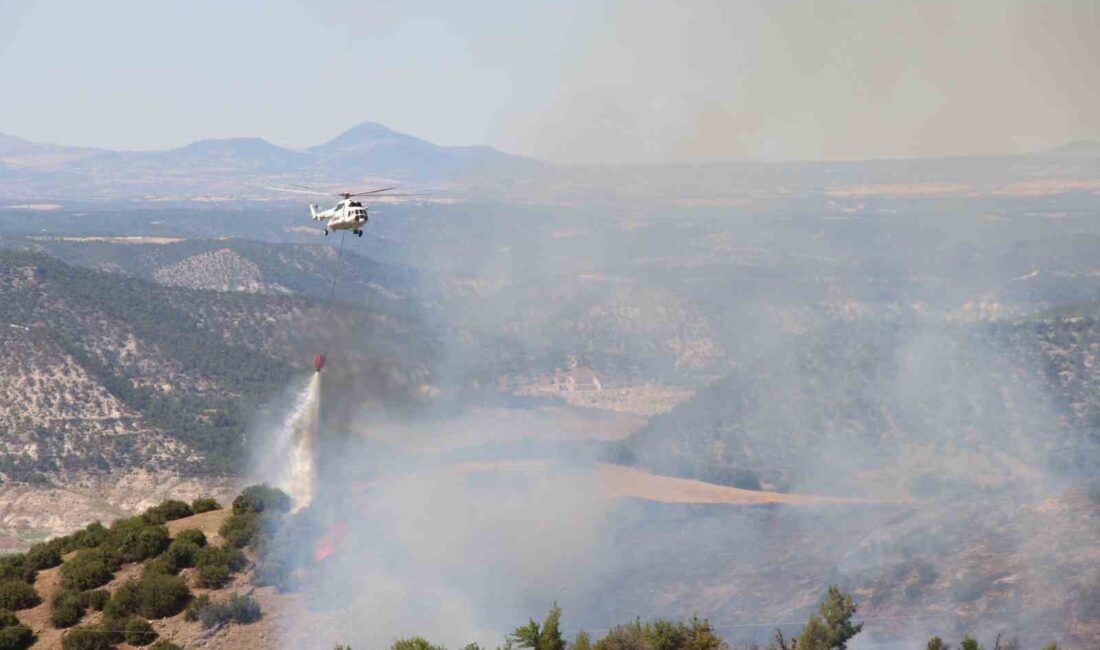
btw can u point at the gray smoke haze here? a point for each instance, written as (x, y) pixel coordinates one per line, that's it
(719, 81)
(895, 358)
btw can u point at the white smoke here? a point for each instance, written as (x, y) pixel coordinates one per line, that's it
(283, 451)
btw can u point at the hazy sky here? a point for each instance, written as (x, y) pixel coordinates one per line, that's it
(566, 80)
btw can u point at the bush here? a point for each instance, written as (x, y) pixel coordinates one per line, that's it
(123, 602)
(161, 595)
(169, 510)
(164, 645)
(66, 609)
(216, 565)
(156, 595)
(87, 637)
(16, 595)
(200, 506)
(88, 569)
(139, 632)
(95, 599)
(13, 634)
(43, 556)
(16, 567)
(241, 529)
(135, 539)
(196, 607)
(238, 609)
(157, 566)
(192, 535)
(261, 498)
(179, 556)
(214, 576)
(244, 609)
(93, 535)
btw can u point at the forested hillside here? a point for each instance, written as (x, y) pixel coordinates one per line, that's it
(103, 371)
(899, 407)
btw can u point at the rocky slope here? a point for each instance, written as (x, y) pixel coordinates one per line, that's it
(103, 372)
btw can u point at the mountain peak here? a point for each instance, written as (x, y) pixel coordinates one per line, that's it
(237, 145)
(368, 135)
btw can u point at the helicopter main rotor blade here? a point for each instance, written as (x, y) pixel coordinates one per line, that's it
(287, 189)
(384, 189)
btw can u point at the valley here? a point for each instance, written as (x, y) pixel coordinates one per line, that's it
(717, 397)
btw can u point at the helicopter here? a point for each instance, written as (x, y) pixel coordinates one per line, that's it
(348, 214)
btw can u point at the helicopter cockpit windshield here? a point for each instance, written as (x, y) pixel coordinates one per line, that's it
(355, 209)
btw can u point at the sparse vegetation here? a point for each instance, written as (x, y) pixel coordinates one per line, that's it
(239, 608)
(139, 632)
(66, 609)
(87, 637)
(88, 569)
(13, 634)
(180, 555)
(155, 595)
(16, 595)
(240, 529)
(217, 565)
(202, 505)
(261, 498)
(169, 510)
(95, 599)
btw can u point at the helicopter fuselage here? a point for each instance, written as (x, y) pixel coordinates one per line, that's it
(345, 215)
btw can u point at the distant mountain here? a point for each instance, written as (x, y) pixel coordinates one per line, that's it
(376, 149)
(20, 153)
(233, 166)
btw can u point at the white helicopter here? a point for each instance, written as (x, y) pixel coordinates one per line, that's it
(345, 215)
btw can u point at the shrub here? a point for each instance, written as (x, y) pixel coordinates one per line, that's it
(16, 567)
(164, 645)
(123, 602)
(179, 556)
(192, 535)
(16, 595)
(169, 510)
(13, 634)
(157, 566)
(139, 632)
(43, 556)
(88, 569)
(162, 595)
(93, 535)
(200, 506)
(197, 605)
(214, 576)
(238, 609)
(16, 637)
(95, 599)
(87, 637)
(216, 565)
(66, 609)
(240, 529)
(244, 609)
(261, 498)
(135, 539)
